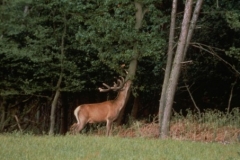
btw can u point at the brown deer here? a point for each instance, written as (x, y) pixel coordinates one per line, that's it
(107, 111)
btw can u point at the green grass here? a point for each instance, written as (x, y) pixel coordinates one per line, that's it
(81, 147)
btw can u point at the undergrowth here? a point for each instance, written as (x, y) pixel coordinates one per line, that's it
(208, 126)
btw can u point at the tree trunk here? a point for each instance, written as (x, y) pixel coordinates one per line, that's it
(135, 108)
(176, 68)
(64, 115)
(3, 109)
(189, 33)
(54, 106)
(131, 73)
(133, 64)
(192, 25)
(169, 62)
(57, 93)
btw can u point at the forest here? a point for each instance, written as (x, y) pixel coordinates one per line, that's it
(55, 54)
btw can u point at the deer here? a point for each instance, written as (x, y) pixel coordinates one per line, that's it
(107, 111)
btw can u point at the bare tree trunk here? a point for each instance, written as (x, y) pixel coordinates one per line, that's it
(175, 72)
(168, 82)
(25, 12)
(169, 62)
(192, 25)
(133, 64)
(64, 115)
(231, 94)
(135, 108)
(57, 93)
(131, 73)
(54, 106)
(3, 109)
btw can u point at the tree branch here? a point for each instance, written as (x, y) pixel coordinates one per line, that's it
(192, 25)
(19, 126)
(210, 50)
(230, 97)
(194, 103)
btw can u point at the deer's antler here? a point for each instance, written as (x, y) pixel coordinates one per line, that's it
(116, 86)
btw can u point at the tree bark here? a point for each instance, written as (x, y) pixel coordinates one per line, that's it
(57, 93)
(175, 72)
(162, 101)
(192, 25)
(131, 73)
(133, 64)
(3, 109)
(135, 108)
(54, 106)
(64, 115)
(171, 92)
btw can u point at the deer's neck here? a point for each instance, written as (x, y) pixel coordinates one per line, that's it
(122, 96)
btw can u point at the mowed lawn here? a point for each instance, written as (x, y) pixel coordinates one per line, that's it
(82, 147)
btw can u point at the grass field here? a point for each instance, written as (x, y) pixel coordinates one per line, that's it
(81, 147)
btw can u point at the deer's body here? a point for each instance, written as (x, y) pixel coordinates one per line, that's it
(107, 111)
